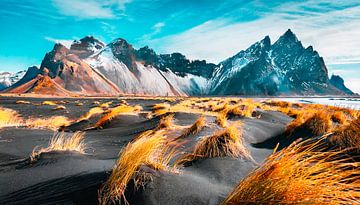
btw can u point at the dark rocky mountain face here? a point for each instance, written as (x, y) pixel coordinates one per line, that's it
(176, 62)
(283, 68)
(338, 82)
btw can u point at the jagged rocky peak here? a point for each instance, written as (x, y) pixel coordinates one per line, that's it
(123, 51)
(339, 83)
(148, 56)
(86, 46)
(52, 60)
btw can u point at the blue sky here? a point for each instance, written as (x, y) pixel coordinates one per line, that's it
(201, 29)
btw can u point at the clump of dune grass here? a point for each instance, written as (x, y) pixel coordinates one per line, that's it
(221, 118)
(166, 122)
(54, 122)
(59, 107)
(22, 102)
(347, 136)
(79, 104)
(243, 110)
(195, 128)
(113, 112)
(9, 118)
(106, 105)
(47, 102)
(339, 117)
(224, 143)
(60, 142)
(302, 173)
(149, 150)
(91, 112)
(316, 123)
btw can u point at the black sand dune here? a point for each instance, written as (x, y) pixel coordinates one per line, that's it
(73, 178)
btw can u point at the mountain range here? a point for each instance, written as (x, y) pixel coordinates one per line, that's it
(89, 67)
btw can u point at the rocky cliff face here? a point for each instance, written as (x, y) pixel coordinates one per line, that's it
(282, 68)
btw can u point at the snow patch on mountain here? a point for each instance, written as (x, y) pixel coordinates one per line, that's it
(7, 79)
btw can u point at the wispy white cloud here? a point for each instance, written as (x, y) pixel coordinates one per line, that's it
(156, 28)
(65, 42)
(333, 32)
(92, 9)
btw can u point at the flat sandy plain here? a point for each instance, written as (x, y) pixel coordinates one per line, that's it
(254, 130)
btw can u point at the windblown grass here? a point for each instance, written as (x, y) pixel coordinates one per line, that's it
(113, 112)
(47, 102)
(9, 118)
(195, 128)
(224, 143)
(91, 112)
(22, 102)
(166, 122)
(59, 107)
(348, 136)
(149, 150)
(59, 142)
(316, 123)
(54, 122)
(300, 174)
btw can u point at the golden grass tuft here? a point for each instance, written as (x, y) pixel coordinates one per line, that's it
(166, 122)
(59, 142)
(9, 118)
(91, 112)
(243, 110)
(59, 107)
(195, 128)
(149, 150)
(22, 102)
(300, 174)
(54, 122)
(47, 102)
(316, 122)
(105, 105)
(347, 136)
(224, 143)
(221, 118)
(113, 112)
(339, 117)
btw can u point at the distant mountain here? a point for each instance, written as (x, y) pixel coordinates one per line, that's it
(282, 68)
(90, 67)
(338, 82)
(7, 79)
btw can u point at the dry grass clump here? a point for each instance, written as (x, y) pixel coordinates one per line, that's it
(243, 110)
(300, 174)
(225, 143)
(347, 136)
(9, 118)
(279, 103)
(54, 122)
(314, 122)
(59, 107)
(105, 105)
(79, 104)
(195, 128)
(166, 122)
(91, 112)
(113, 112)
(221, 118)
(59, 142)
(149, 150)
(47, 102)
(22, 102)
(339, 117)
